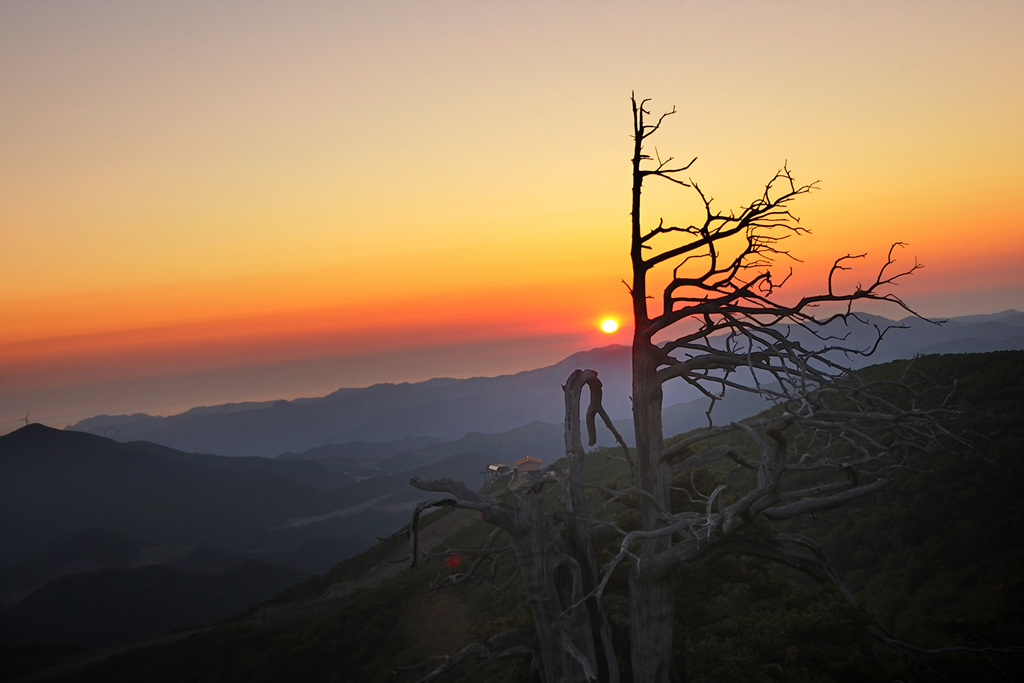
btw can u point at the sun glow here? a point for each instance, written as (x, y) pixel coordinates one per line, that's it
(154, 244)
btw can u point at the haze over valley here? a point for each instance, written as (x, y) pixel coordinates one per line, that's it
(283, 490)
(447, 409)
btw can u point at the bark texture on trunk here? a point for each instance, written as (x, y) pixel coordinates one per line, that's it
(577, 521)
(554, 586)
(651, 612)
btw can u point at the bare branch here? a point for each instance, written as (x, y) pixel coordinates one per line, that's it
(816, 504)
(461, 496)
(723, 326)
(514, 643)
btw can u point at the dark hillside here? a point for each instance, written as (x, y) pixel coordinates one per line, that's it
(87, 550)
(936, 558)
(119, 605)
(57, 483)
(945, 560)
(54, 483)
(115, 542)
(936, 561)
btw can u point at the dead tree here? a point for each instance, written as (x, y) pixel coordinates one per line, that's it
(708, 310)
(572, 638)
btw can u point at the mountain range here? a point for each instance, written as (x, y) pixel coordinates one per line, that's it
(103, 541)
(57, 485)
(200, 514)
(932, 561)
(444, 409)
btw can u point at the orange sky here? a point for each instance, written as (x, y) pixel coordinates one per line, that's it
(206, 202)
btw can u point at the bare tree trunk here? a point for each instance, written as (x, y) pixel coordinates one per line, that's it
(651, 599)
(651, 609)
(554, 587)
(551, 575)
(573, 636)
(741, 338)
(651, 612)
(577, 523)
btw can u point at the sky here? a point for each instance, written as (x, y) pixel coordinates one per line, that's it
(208, 202)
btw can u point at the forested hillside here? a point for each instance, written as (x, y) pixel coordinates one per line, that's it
(935, 562)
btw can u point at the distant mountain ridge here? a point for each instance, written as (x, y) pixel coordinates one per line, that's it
(56, 483)
(924, 560)
(442, 408)
(103, 541)
(446, 409)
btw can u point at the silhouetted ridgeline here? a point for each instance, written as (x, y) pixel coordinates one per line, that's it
(446, 409)
(58, 483)
(442, 408)
(104, 541)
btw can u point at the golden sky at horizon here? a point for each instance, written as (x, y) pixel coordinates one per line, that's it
(192, 187)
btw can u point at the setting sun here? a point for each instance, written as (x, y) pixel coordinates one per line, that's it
(157, 239)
